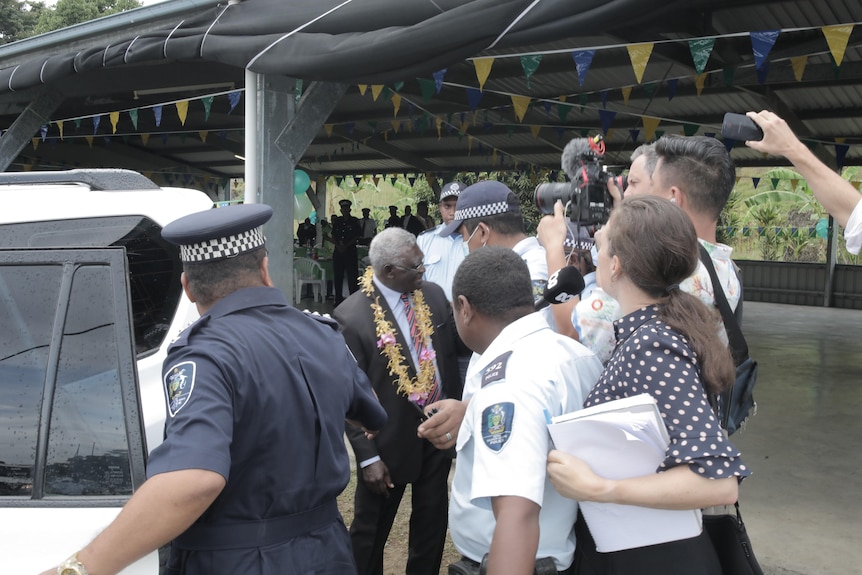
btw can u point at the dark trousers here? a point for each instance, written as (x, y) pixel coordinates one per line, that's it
(345, 262)
(374, 515)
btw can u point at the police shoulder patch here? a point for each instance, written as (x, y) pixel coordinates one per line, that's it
(496, 370)
(497, 422)
(179, 384)
(539, 289)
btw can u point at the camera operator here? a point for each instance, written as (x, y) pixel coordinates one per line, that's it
(837, 195)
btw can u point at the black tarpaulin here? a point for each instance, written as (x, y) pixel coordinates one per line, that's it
(352, 41)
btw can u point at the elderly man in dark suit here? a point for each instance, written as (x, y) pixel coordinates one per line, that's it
(403, 336)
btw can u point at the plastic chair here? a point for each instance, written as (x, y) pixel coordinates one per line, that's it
(308, 272)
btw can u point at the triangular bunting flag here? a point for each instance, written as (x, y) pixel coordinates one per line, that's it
(799, 63)
(535, 131)
(627, 92)
(397, 86)
(35, 142)
(473, 97)
(115, 118)
(690, 129)
(603, 95)
(563, 109)
(362, 88)
(650, 89)
(634, 135)
(756, 182)
(728, 73)
(483, 70)
(426, 88)
(233, 99)
(438, 79)
(840, 152)
(650, 125)
(396, 103)
(606, 117)
(639, 55)
(793, 183)
(328, 129)
(376, 89)
(761, 44)
(521, 103)
(672, 86)
(530, 64)
(203, 135)
(699, 81)
(183, 111)
(133, 114)
(775, 183)
(396, 125)
(157, 112)
(96, 121)
(837, 37)
(583, 59)
(208, 104)
(145, 138)
(700, 49)
(89, 140)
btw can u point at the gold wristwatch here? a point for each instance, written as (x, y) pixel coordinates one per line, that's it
(72, 566)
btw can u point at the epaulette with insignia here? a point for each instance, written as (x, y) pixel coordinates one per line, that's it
(325, 319)
(182, 339)
(496, 370)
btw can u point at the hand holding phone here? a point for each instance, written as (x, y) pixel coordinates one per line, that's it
(740, 127)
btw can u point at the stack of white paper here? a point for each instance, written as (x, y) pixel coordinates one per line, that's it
(621, 439)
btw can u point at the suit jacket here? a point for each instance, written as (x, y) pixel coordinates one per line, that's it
(397, 444)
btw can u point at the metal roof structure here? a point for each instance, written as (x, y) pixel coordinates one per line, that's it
(398, 116)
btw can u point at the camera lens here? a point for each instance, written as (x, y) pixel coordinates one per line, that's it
(546, 195)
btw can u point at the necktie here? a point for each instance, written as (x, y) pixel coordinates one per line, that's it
(419, 344)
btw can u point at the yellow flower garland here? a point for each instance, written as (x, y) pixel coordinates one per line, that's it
(415, 389)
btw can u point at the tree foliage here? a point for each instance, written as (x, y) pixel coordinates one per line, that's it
(24, 18)
(18, 19)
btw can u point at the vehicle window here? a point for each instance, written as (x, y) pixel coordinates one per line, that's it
(28, 296)
(154, 265)
(88, 450)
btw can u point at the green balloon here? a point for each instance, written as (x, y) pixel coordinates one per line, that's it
(822, 228)
(301, 181)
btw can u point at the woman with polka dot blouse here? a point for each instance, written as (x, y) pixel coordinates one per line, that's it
(666, 346)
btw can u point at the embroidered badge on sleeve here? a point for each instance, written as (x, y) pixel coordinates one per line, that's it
(497, 425)
(179, 383)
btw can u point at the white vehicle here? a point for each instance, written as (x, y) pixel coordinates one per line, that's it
(90, 298)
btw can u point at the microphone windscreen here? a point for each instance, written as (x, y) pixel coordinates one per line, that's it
(565, 284)
(570, 159)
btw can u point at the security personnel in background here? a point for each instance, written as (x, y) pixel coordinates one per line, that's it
(254, 457)
(346, 233)
(503, 511)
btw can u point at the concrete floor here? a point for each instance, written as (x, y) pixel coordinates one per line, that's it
(803, 504)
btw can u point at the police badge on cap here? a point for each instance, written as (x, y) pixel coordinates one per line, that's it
(219, 233)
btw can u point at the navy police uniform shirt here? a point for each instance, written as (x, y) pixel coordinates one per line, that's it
(257, 392)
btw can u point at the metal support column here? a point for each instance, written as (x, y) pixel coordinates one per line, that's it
(26, 125)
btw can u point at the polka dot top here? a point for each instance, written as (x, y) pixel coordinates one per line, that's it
(651, 357)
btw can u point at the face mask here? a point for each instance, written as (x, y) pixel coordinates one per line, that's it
(594, 252)
(466, 243)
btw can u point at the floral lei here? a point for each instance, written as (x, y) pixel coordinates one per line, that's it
(416, 389)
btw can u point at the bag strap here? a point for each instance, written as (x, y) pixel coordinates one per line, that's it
(738, 345)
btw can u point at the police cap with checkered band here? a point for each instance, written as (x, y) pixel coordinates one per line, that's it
(482, 199)
(219, 233)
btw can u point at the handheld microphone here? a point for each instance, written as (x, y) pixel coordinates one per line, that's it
(565, 284)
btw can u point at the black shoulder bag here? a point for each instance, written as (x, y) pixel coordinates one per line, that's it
(735, 406)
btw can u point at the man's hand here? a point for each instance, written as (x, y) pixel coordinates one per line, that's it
(615, 192)
(376, 478)
(553, 229)
(441, 429)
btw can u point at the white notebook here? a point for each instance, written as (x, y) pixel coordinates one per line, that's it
(621, 439)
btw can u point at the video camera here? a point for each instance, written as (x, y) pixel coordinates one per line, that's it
(586, 195)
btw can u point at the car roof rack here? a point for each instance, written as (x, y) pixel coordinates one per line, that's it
(102, 179)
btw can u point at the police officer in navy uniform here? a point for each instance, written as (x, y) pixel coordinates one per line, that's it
(254, 456)
(346, 233)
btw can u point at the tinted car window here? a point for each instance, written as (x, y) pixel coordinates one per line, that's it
(64, 316)
(154, 265)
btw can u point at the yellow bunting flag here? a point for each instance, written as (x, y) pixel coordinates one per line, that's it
(483, 70)
(375, 91)
(699, 81)
(60, 126)
(396, 102)
(183, 111)
(799, 64)
(494, 157)
(535, 131)
(115, 118)
(203, 135)
(793, 183)
(521, 103)
(35, 142)
(28, 167)
(610, 134)
(362, 88)
(639, 55)
(627, 92)
(837, 37)
(396, 125)
(469, 145)
(89, 140)
(145, 138)
(650, 125)
(840, 140)
(439, 121)
(328, 129)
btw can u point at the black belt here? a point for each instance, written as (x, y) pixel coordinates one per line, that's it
(245, 534)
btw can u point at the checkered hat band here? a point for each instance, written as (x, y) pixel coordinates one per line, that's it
(220, 248)
(481, 211)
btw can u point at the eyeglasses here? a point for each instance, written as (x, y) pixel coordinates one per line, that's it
(416, 269)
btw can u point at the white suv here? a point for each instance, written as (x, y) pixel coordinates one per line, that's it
(90, 298)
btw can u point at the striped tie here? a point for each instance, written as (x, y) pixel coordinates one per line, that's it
(419, 345)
